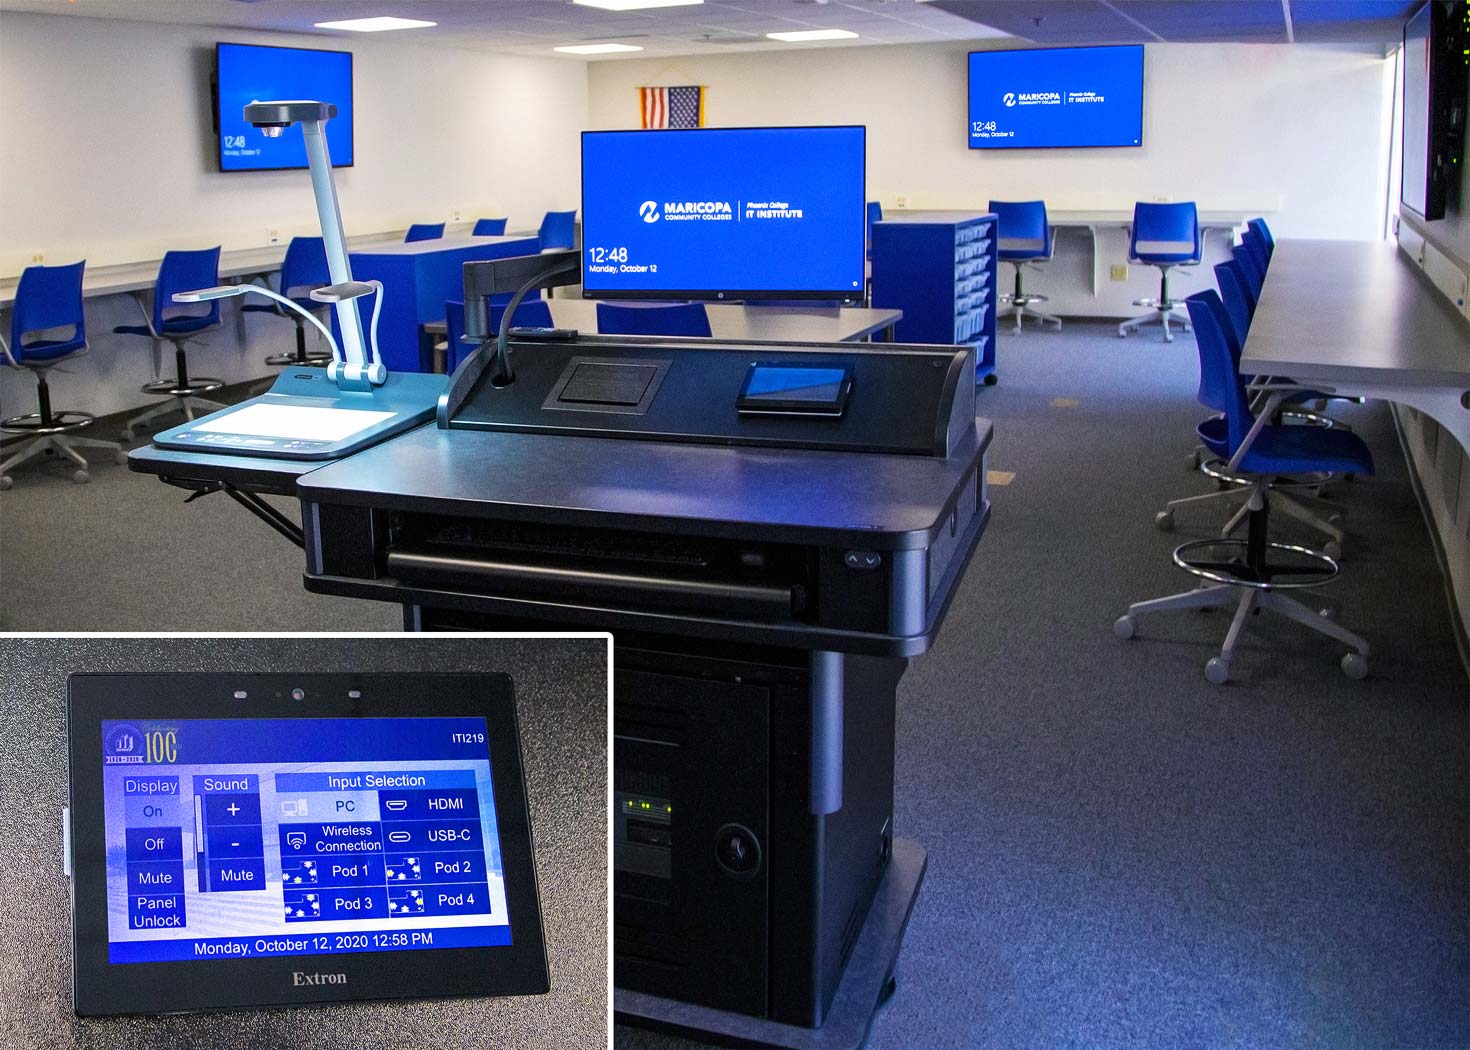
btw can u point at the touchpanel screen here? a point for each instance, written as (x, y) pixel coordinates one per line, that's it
(238, 838)
(293, 421)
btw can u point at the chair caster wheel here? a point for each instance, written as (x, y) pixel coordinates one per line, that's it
(1355, 666)
(1122, 334)
(991, 379)
(1124, 626)
(1164, 521)
(1333, 550)
(5, 482)
(81, 477)
(1217, 671)
(1327, 612)
(120, 457)
(1193, 461)
(1336, 519)
(126, 434)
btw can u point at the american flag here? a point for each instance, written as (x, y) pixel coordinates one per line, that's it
(672, 107)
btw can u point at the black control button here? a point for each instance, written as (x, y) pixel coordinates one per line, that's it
(738, 851)
(863, 559)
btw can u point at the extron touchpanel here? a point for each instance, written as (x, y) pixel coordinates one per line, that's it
(236, 838)
(312, 837)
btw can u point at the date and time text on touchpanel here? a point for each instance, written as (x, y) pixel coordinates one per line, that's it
(220, 846)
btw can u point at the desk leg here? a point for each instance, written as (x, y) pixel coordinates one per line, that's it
(1448, 407)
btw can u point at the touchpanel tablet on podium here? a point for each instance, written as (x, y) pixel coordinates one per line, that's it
(260, 840)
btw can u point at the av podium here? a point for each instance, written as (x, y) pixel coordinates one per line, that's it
(770, 531)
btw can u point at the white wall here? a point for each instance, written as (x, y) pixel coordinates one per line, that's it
(1297, 133)
(107, 154)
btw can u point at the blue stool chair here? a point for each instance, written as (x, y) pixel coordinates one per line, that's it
(1264, 232)
(179, 272)
(424, 231)
(48, 299)
(1025, 240)
(875, 214)
(1165, 236)
(1250, 271)
(1251, 573)
(558, 230)
(531, 313)
(1291, 494)
(489, 228)
(304, 268)
(1256, 245)
(652, 319)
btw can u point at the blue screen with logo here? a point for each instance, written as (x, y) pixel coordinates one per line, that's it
(1076, 96)
(714, 213)
(244, 838)
(248, 73)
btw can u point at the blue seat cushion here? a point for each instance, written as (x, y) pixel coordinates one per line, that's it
(172, 326)
(49, 350)
(1020, 254)
(1301, 450)
(1166, 258)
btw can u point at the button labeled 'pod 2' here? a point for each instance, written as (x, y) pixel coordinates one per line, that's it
(738, 851)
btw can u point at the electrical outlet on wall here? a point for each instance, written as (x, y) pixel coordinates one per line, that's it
(1162, 198)
(272, 236)
(454, 215)
(38, 258)
(1118, 272)
(901, 201)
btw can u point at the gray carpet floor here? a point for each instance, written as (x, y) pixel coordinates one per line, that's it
(1120, 854)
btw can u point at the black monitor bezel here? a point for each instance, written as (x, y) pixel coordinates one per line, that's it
(1142, 88)
(214, 101)
(846, 296)
(103, 988)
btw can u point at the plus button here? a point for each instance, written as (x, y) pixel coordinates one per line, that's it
(232, 809)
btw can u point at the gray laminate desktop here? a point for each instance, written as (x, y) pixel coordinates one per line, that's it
(1357, 318)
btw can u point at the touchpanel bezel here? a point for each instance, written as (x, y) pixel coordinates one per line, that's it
(101, 987)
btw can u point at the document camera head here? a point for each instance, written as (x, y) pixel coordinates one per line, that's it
(272, 118)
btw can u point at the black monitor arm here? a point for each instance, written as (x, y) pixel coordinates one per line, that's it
(517, 274)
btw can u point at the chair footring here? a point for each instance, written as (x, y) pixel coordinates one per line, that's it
(313, 359)
(61, 423)
(1224, 561)
(192, 388)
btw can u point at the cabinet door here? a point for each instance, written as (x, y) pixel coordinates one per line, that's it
(691, 794)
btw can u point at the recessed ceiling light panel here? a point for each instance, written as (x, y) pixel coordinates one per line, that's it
(596, 49)
(380, 24)
(804, 35)
(634, 5)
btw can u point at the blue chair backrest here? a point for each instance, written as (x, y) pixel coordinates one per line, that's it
(1237, 303)
(1220, 386)
(1250, 269)
(185, 272)
(558, 229)
(532, 313)
(47, 297)
(1257, 247)
(652, 319)
(424, 231)
(1176, 223)
(1264, 232)
(874, 214)
(305, 265)
(1023, 221)
(488, 228)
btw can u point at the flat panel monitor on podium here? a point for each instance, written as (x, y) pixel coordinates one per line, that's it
(724, 214)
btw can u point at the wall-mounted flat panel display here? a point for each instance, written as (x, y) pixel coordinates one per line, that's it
(248, 73)
(1051, 97)
(1435, 50)
(724, 213)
